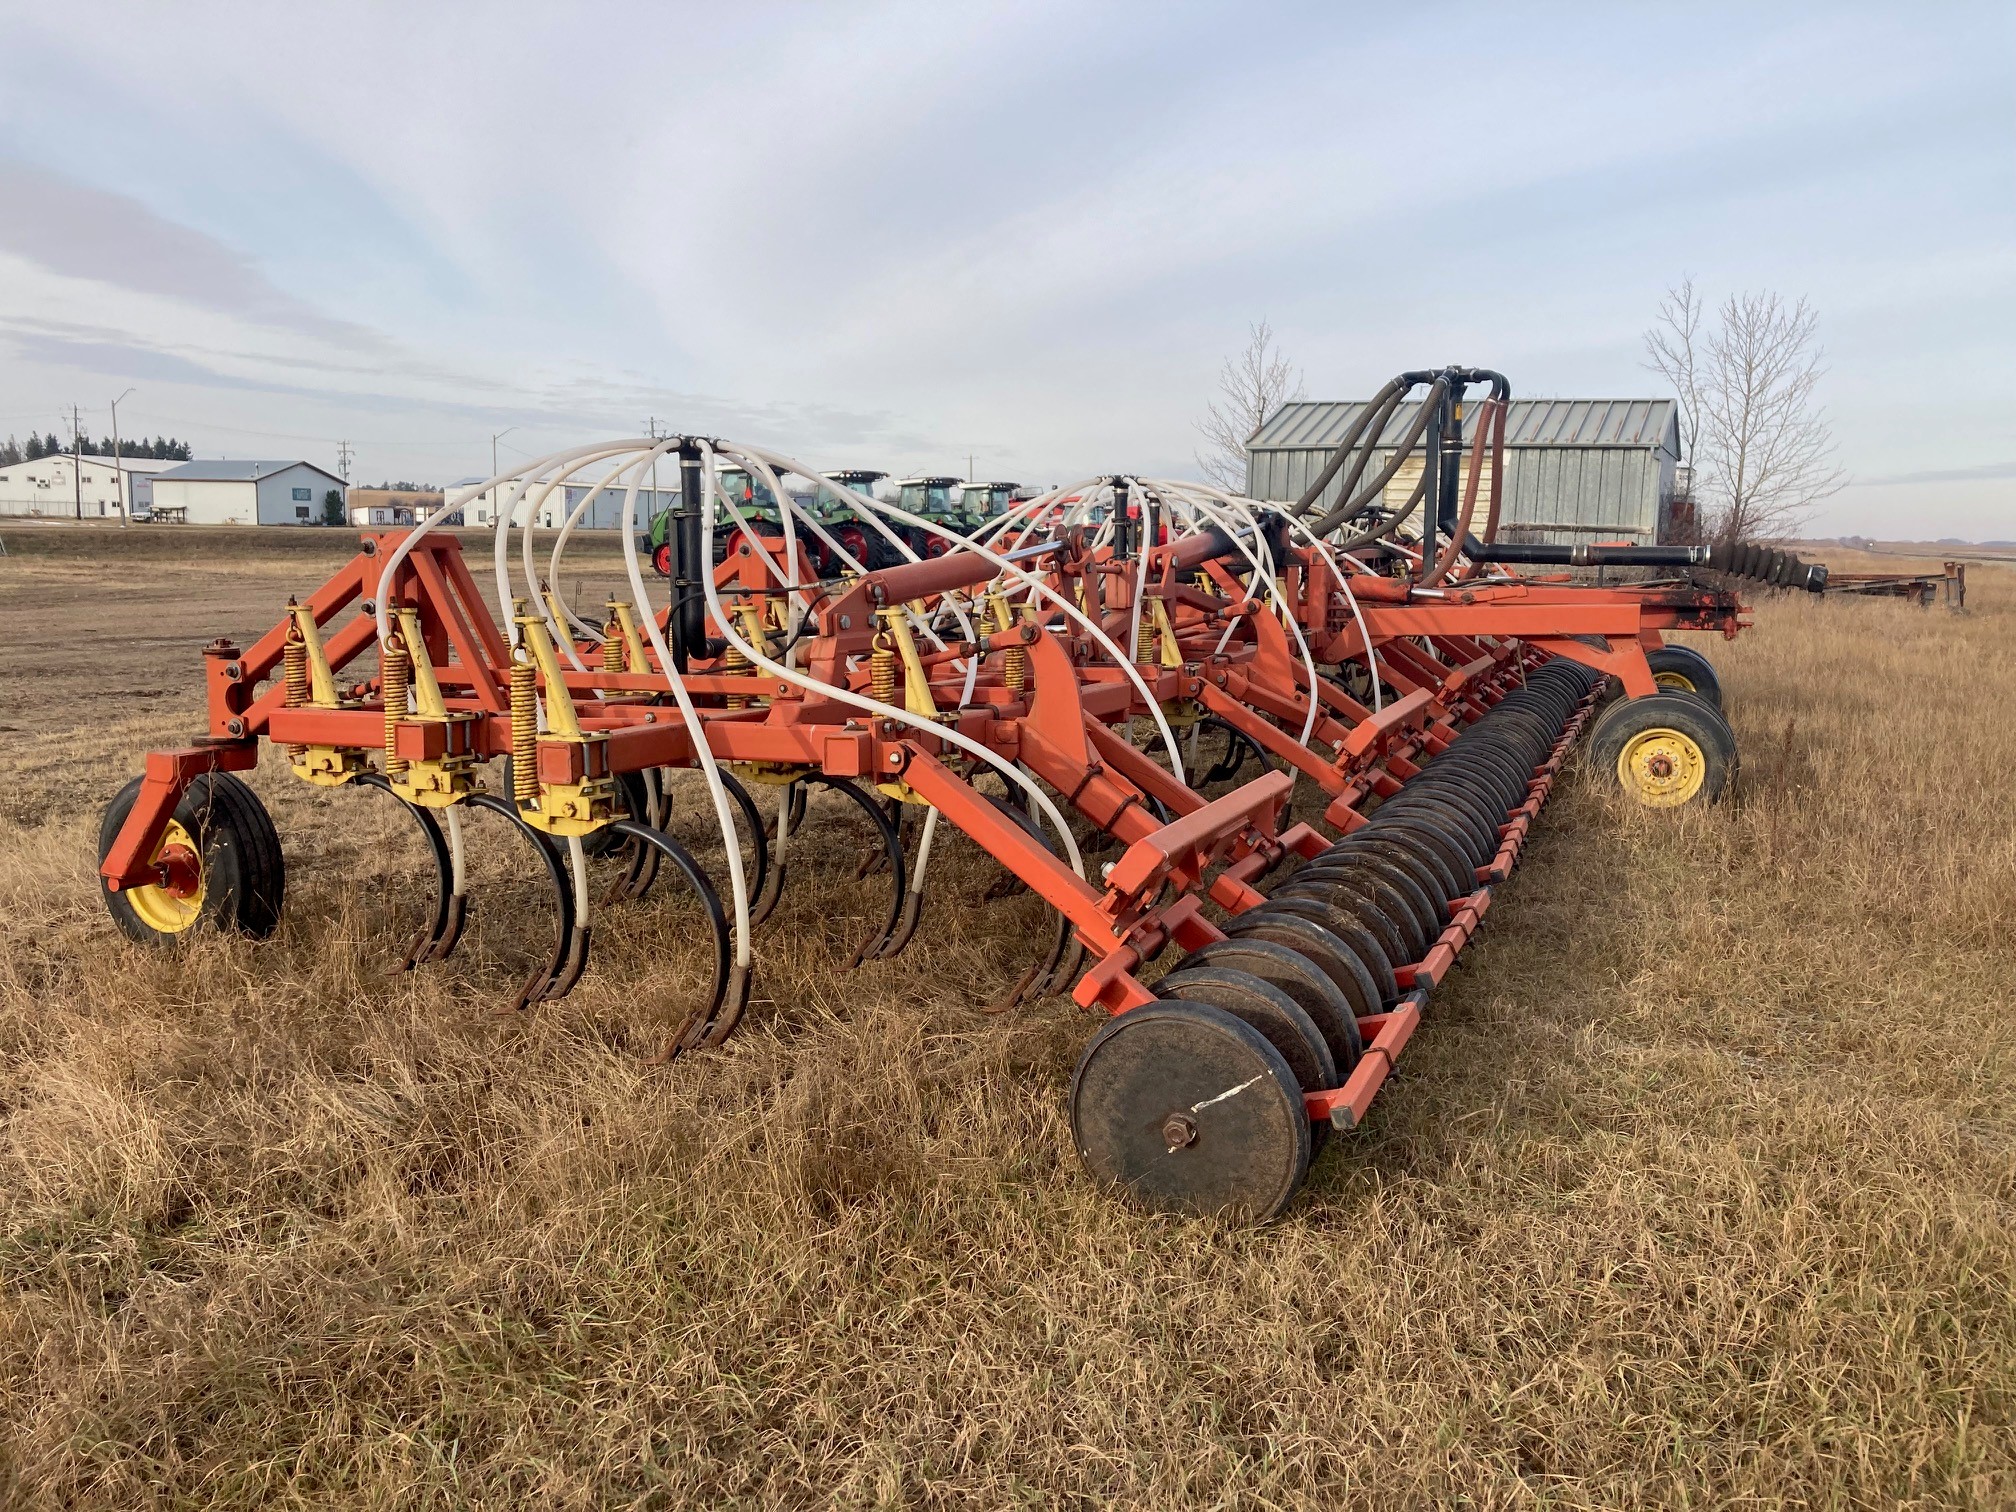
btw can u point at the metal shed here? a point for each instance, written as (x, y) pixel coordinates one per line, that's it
(1575, 469)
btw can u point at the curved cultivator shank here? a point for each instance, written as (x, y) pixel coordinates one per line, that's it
(1148, 677)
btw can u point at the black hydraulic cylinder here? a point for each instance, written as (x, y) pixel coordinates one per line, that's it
(689, 618)
(1449, 475)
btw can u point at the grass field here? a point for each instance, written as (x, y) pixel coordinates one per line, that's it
(1697, 1188)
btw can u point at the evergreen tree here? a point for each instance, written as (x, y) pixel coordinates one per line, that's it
(51, 447)
(34, 452)
(10, 452)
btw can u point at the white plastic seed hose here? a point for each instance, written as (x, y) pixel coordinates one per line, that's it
(876, 707)
(1002, 564)
(724, 813)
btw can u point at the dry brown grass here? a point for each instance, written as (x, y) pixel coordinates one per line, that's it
(1699, 1187)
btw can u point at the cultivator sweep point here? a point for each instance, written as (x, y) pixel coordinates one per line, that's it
(1154, 672)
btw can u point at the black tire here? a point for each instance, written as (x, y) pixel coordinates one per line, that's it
(1688, 736)
(1682, 669)
(241, 875)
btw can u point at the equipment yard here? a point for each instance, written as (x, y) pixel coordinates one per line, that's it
(1697, 1184)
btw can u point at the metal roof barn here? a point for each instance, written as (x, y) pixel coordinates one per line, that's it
(1575, 469)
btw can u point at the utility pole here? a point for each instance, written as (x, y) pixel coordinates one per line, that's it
(77, 461)
(493, 465)
(118, 462)
(651, 514)
(343, 462)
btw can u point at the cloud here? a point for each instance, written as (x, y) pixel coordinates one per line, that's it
(1987, 471)
(114, 239)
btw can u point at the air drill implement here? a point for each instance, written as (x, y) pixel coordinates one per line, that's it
(1152, 670)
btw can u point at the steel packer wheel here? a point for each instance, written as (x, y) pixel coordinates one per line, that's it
(1270, 1009)
(1308, 939)
(1188, 1109)
(1488, 767)
(1342, 922)
(1286, 968)
(1420, 921)
(1463, 811)
(1431, 873)
(1437, 846)
(1378, 910)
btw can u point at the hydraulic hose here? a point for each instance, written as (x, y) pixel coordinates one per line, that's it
(1380, 405)
(1350, 509)
(1493, 419)
(882, 710)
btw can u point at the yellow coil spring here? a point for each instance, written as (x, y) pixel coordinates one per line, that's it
(524, 733)
(612, 647)
(882, 671)
(1015, 668)
(1144, 637)
(294, 676)
(734, 663)
(395, 676)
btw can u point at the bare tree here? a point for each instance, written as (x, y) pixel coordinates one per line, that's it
(1758, 445)
(1253, 385)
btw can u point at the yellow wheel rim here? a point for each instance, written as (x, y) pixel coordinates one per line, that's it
(1679, 682)
(1662, 768)
(172, 909)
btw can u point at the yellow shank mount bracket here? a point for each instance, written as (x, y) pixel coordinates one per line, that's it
(310, 684)
(556, 808)
(444, 770)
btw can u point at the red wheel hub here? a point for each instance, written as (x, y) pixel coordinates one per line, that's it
(180, 871)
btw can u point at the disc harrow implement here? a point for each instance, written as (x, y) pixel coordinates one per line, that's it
(1120, 691)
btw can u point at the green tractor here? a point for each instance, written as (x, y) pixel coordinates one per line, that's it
(989, 501)
(845, 524)
(751, 495)
(942, 501)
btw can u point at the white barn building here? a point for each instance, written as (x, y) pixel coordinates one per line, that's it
(52, 487)
(606, 513)
(243, 493)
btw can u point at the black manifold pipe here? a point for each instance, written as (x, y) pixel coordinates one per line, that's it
(1585, 555)
(1781, 569)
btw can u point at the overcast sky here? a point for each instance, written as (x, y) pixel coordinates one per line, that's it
(896, 236)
